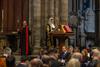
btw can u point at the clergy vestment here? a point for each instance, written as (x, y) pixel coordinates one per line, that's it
(24, 41)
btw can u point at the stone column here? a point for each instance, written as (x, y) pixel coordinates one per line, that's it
(97, 21)
(69, 6)
(51, 8)
(46, 11)
(64, 11)
(56, 12)
(30, 14)
(36, 25)
(30, 22)
(43, 32)
(46, 15)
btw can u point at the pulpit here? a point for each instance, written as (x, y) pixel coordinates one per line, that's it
(61, 37)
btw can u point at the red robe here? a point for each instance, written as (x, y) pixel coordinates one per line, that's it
(24, 41)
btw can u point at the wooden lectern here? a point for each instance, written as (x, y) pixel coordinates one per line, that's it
(61, 36)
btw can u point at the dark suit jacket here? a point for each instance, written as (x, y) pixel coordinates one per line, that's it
(64, 55)
(10, 61)
(21, 65)
(54, 63)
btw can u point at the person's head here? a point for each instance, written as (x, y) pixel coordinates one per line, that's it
(8, 51)
(76, 49)
(46, 59)
(96, 54)
(70, 49)
(51, 21)
(36, 62)
(85, 52)
(64, 49)
(24, 23)
(77, 55)
(23, 58)
(73, 63)
(52, 50)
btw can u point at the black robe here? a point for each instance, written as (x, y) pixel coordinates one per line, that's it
(24, 41)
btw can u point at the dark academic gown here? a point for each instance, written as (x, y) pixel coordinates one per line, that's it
(10, 61)
(24, 46)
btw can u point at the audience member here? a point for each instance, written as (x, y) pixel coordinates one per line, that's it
(64, 55)
(73, 63)
(2, 62)
(23, 62)
(54, 58)
(36, 62)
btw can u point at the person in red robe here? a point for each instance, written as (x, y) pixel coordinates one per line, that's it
(24, 39)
